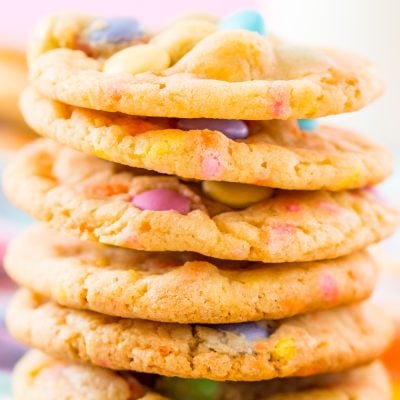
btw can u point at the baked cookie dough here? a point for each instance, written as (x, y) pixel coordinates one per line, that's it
(40, 377)
(193, 69)
(275, 153)
(181, 287)
(112, 204)
(320, 342)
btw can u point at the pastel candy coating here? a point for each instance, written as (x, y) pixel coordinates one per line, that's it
(247, 19)
(285, 349)
(137, 59)
(189, 389)
(236, 195)
(308, 125)
(211, 165)
(232, 128)
(162, 200)
(114, 30)
(250, 330)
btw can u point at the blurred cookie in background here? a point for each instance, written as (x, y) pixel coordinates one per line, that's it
(13, 77)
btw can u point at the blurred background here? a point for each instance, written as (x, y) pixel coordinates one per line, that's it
(367, 27)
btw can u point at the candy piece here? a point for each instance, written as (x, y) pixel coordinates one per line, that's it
(114, 30)
(285, 349)
(232, 128)
(136, 59)
(162, 200)
(248, 19)
(250, 330)
(236, 195)
(211, 164)
(329, 288)
(189, 389)
(308, 125)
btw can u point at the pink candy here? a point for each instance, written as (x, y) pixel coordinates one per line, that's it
(329, 288)
(162, 200)
(233, 129)
(211, 165)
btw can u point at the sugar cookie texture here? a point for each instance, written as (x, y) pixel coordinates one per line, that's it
(203, 235)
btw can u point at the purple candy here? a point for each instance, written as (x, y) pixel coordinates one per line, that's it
(115, 30)
(250, 330)
(232, 128)
(162, 200)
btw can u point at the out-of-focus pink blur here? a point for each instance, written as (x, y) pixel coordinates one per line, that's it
(18, 16)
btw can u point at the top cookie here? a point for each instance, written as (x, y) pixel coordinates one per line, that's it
(194, 69)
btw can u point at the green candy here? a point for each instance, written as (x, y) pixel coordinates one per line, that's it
(189, 389)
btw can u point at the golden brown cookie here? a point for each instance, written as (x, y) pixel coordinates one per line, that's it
(40, 377)
(112, 204)
(275, 154)
(181, 287)
(234, 74)
(321, 342)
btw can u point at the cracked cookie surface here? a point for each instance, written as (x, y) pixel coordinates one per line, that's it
(92, 199)
(338, 339)
(234, 74)
(45, 378)
(181, 287)
(275, 154)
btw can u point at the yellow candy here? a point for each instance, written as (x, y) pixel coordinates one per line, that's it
(183, 36)
(236, 195)
(284, 349)
(137, 59)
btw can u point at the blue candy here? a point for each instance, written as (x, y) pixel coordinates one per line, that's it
(250, 330)
(114, 30)
(248, 19)
(308, 125)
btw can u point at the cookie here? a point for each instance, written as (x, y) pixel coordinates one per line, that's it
(38, 376)
(13, 78)
(235, 71)
(269, 153)
(112, 204)
(321, 342)
(181, 287)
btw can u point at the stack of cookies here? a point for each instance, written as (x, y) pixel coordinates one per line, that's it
(203, 236)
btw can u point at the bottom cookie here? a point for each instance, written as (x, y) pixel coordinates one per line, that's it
(38, 376)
